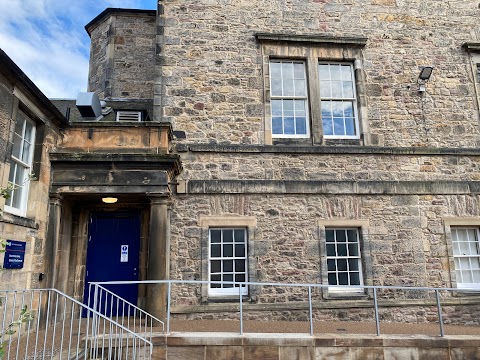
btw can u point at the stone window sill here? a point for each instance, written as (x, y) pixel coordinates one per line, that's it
(19, 220)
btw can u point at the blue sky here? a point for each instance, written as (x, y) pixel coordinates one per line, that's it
(48, 41)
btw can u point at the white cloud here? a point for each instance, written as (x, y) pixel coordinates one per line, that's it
(47, 40)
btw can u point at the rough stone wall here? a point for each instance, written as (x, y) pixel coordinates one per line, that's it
(403, 245)
(288, 166)
(213, 66)
(214, 77)
(122, 57)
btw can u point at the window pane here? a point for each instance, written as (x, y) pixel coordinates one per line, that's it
(353, 250)
(227, 250)
(325, 89)
(19, 124)
(276, 87)
(323, 72)
(353, 265)
(289, 123)
(331, 266)
(26, 152)
(277, 127)
(17, 146)
(329, 235)
(341, 236)
(227, 236)
(239, 265)
(298, 70)
(336, 88)
(335, 72)
(342, 250)
(215, 266)
(327, 126)
(215, 278)
(29, 132)
(240, 277)
(349, 126)
(276, 107)
(288, 88)
(300, 88)
(228, 277)
(342, 265)
(239, 250)
(301, 125)
(347, 89)
(287, 70)
(275, 70)
(239, 235)
(346, 72)
(338, 126)
(467, 276)
(332, 279)
(342, 278)
(354, 278)
(215, 250)
(331, 250)
(228, 266)
(352, 235)
(215, 236)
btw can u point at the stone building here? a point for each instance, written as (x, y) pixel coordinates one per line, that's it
(280, 141)
(30, 128)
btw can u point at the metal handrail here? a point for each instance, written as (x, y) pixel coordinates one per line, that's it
(136, 308)
(436, 290)
(53, 320)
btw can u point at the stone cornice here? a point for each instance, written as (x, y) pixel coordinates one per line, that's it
(332, 187)
(319, 39)
(360, 150)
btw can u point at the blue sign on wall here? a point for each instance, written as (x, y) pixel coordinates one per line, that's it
(14, 254)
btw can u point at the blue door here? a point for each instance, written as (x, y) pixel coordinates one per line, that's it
(113, 255)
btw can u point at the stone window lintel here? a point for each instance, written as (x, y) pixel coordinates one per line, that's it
(350, 41)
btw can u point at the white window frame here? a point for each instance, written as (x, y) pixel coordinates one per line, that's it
(457, 256)
(346, 288)
(225, 291)
(290, 97)
(353, 100)
(15, 162)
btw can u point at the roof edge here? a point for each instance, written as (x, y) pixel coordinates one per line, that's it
(111, 11)
(9, 66)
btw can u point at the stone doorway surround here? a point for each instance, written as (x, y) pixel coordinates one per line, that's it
(140, 182)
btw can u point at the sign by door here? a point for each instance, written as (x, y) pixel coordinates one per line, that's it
(14, 254)
(124, 253)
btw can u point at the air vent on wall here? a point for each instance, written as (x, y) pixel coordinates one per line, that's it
(129, 116)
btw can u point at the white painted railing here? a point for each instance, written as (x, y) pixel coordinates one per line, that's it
(63, 328)
(427, 292)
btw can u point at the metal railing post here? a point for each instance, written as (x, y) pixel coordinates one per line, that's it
(241, 308)
(375, 303)
(169, 299)
(440, 317)
(310, 312)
